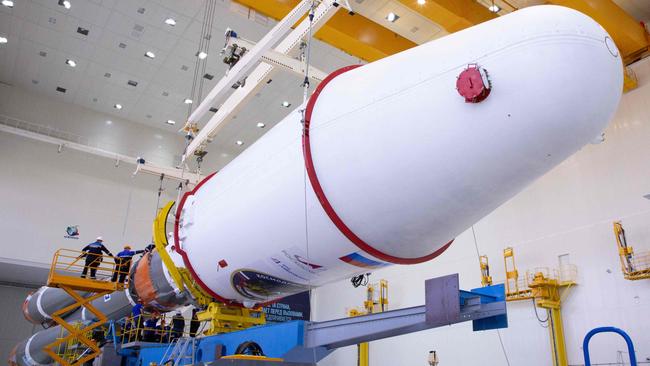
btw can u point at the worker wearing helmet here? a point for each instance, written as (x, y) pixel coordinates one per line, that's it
(123, 263)
(93, 254)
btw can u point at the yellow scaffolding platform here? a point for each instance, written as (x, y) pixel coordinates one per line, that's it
(635, 266)
(77, 346)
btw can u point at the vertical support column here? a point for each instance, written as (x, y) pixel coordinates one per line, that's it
(556, 335)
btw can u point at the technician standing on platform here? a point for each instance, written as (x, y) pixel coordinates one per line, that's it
(93, 254)
(123, 263)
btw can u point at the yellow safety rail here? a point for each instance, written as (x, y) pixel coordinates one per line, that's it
(224, 319)
(68, 266)
(516, 288)
(635, 266)
(76, 346)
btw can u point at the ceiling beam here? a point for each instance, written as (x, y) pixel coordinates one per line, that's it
(353, 34)
(452, 15)
(629, 35)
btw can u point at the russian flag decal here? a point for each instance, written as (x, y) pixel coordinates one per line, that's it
(358, 260)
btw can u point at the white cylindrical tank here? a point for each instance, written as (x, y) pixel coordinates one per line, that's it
(398, 163)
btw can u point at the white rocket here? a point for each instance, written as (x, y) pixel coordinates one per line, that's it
(391, 160)
(387, 163)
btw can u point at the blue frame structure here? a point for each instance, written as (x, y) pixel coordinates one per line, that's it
(591, 333)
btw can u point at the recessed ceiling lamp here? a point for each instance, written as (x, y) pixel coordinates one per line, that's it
(65, 3)
(187, 101)
(261, 125)
(171, 122)
(3, 40)
(117, 106)
(109, 122)
(286, 104)
(170, 21)
(422, 2)
(149, 54)
(70, 63)
(8, 3)
(494, 8)
(202, 55)
(392, 17)
(239, 142)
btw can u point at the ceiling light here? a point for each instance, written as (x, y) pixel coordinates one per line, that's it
(239, 142)
(170, 122)
(117, 106)
(65, 3)
(261, 125)
(286, 104)
(170, 21)
(202, 55)
(8, 3)
(392, 17)
(149, 54)
(494, 8)
(70, 63)
(187, 101)
(422, 2)
(109, 122)
(3, 40)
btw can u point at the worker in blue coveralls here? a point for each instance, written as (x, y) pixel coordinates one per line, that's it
(123, 263)
(93, 254)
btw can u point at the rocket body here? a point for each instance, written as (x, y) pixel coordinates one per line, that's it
(394, 163)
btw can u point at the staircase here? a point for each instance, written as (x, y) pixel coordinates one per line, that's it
(177, 353)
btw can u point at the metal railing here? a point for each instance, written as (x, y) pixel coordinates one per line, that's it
(153, 328)
(87, 271)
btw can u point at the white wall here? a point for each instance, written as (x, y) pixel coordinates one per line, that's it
(42, 192)
(568, 211)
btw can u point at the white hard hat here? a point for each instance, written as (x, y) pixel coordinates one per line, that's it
(99, 238)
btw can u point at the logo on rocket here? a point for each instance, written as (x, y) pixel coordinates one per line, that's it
(308, 264)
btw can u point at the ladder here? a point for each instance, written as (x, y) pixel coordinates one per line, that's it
(176, 352)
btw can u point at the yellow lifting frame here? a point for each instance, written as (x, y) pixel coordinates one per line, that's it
(486, 279)
(515, 290)
(181, 276)
(222, 318)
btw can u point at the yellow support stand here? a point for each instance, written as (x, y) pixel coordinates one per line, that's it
(546, 292)
(376, 302)
(225, 319)
(65, 274)
(635, 266)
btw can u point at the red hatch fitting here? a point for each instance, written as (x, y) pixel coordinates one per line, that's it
(473, 84)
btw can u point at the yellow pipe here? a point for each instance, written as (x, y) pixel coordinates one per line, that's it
(353, 34)
(364, 354)
(452, 15)
(629, 35)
